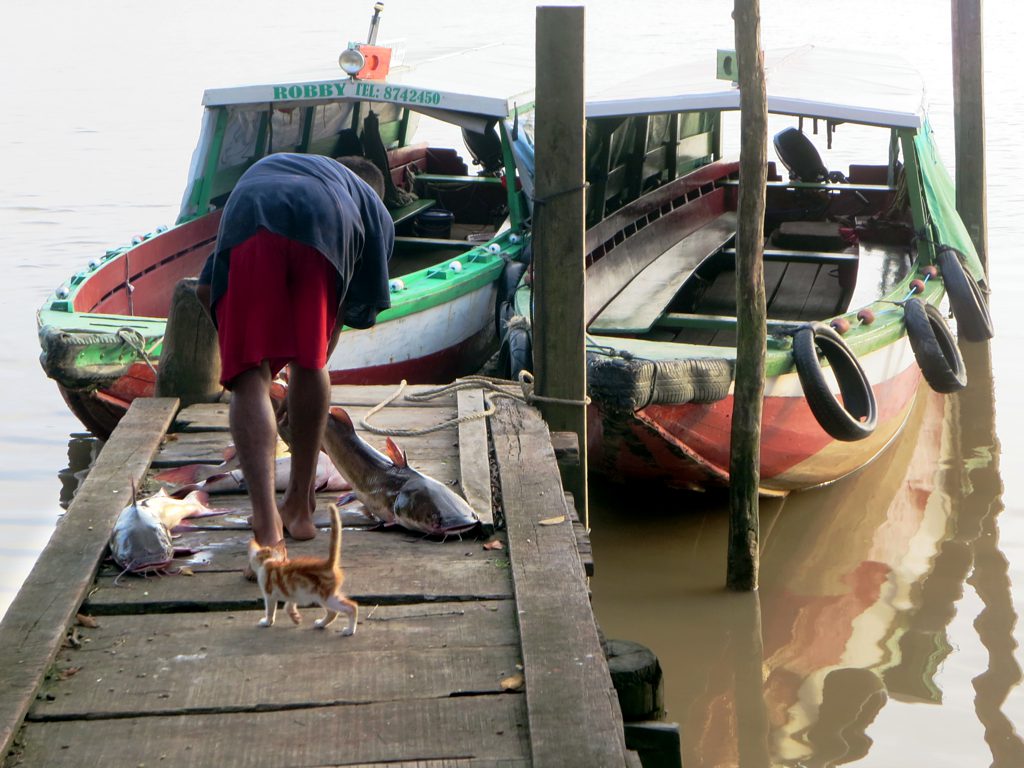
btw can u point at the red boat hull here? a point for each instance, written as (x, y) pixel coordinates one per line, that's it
(687, 446)
(100, 409)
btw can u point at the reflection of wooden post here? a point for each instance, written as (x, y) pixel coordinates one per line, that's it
(559, 295)
(751, 337)
(748, 660)
(190, 359)
(969, 119)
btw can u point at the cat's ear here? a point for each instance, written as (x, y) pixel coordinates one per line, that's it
(279, 549)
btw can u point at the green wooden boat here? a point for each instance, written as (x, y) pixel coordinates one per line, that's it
(459, 225)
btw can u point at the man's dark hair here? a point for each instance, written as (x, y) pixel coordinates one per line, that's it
(366, 171)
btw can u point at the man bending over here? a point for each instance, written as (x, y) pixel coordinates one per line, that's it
(303, 249)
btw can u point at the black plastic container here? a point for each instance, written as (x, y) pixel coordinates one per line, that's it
(434, 223)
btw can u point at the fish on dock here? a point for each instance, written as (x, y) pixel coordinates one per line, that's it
(391, 491)
(228, 478)
(142, 538)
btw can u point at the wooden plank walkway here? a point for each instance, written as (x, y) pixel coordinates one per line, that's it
(464, 656)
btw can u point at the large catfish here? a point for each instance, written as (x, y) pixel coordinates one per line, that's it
(391, 491)
(141, 540)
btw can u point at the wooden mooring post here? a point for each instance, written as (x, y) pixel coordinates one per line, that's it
(190, 358)
(969, 122)
(558, 233)
(745, 454)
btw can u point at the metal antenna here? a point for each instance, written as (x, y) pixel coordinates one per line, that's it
(371, 38)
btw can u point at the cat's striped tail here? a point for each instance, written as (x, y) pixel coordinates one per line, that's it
(334, 555)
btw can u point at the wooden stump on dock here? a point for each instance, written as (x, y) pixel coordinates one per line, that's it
(190, 359)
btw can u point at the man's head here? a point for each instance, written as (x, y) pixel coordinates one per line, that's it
(366, 171)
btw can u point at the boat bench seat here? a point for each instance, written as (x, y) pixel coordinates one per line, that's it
(430, 243)
(638, 306)
(803, 257)
(413, 209)
(444, 178)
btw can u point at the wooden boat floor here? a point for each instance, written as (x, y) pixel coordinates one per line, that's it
(800, 291)
(644, 299)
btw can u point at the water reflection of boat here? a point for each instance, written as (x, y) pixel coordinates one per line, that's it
(833, 618)
(840, 575)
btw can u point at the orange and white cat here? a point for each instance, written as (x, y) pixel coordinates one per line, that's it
(303, 581)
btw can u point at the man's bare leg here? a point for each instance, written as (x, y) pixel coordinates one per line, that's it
(309, 394)
(254, 430)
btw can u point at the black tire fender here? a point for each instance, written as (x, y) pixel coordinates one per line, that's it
(934, 347)
(507, 283)
(965, 297)
(516, 351)
(855, 417)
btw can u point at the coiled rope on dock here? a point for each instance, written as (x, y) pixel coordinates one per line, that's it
(493, 388)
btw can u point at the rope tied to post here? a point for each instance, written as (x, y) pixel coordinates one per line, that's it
(135, 340)
(493, 389)
(561, 193)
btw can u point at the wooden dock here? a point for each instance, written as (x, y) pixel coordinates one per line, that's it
(464, 655)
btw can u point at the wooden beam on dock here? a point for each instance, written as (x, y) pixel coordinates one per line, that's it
(474, 457)
(566, 672)
(34, 627)
(559, 338)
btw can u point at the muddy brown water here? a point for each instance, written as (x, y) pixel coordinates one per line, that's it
(888, 602)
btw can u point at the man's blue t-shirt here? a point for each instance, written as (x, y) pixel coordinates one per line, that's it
(319, 202)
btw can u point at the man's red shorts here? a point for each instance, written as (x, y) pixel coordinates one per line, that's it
(280, 306)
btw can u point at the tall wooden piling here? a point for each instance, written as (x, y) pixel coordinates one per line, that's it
(745, 454)
(969, 120)
(558, 232)
(190, 358)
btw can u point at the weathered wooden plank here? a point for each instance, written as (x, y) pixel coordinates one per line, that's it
(160, 637)
(238, 510)
(385, 582)
(567, 448)
(456, 763)
(208, 447)
(565, 668)
(583, 545)
(474, 457)
(328, 673)
(439, 462)
(226, 550)
(478, 727)
(203, 417)
(34, 626)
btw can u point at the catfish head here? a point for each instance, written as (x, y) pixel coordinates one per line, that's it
(391, 490)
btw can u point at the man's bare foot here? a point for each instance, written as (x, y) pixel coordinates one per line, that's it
(298, 523)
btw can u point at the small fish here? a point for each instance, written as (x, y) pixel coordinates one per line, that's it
(228, 478)
(141, 539)
(391, 491)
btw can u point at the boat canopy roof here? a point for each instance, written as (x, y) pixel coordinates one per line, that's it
(450, 84)
(843, 86)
